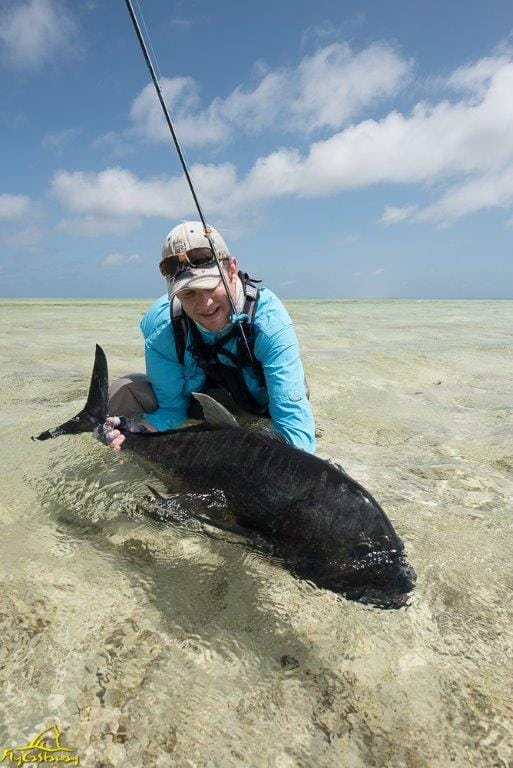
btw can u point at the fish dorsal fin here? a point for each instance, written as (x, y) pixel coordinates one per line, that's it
(216, 415)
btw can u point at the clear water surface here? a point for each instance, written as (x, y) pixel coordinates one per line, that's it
(153, 645)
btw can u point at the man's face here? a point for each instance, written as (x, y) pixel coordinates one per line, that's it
(211, 307)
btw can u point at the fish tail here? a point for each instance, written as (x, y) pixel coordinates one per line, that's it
(95, 410)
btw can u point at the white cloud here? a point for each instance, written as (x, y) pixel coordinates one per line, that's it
(13, 206)
(95, 226)
(431, 143)
(462, 149)
(26, 238)
(115, 198)
(335, 84)
(58, 140)
(489, 190)
(323, 92)
(196, 126)
(120, 260)
(326, 30)
(483, 156)
(321, 32)
(476, 77)
(258, 108)
(32, 32)
(117, 192)
(466, 144)
(114, 144)
(393, 215)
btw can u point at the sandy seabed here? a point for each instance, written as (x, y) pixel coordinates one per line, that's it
(152, 645)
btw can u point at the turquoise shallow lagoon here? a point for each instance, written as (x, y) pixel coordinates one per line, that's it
(153, 645)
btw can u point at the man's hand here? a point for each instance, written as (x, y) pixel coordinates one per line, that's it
(112, 426)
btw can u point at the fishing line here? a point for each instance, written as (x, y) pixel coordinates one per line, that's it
(235, 317)
(148, 38)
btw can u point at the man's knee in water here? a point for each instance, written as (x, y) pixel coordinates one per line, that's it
(131, 395)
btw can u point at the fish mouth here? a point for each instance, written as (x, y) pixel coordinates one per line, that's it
(378, 598)
(390, 587)
(383, 579)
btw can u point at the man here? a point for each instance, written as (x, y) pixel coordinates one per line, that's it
(193, 345)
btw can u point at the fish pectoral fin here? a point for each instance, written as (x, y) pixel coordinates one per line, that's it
(216, 415)
(254, 538)
(158, 496)
(239, 530)
(165, 511)
(164, 501)
(183, 516)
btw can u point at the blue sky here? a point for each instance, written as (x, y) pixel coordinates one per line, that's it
(343, 149)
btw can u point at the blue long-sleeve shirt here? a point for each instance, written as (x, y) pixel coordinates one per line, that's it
(276, 347)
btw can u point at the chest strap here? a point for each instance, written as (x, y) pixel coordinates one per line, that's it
(181, 324)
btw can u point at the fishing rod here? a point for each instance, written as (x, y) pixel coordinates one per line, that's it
(235, 317)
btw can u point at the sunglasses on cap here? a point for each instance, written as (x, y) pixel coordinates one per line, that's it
(196, 257)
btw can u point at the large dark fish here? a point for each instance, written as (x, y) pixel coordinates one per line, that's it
(325, 526)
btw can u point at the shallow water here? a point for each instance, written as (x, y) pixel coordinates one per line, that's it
(153, 645)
